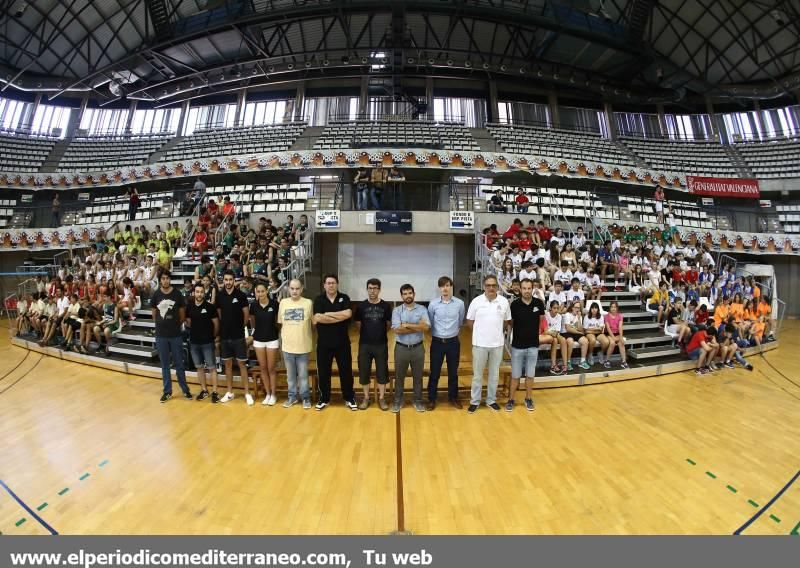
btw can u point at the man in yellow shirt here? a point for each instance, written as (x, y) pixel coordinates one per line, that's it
(295, 315)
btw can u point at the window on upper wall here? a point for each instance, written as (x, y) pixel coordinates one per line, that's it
(47, 118)
(156, 121)
(264, 112)
(104, 122)
(534, 114)
(319, 111)
(12, 114)
(210, 116)
(472, 112)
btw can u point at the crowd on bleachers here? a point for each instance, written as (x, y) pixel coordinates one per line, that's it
(709, 311)
(94, 296)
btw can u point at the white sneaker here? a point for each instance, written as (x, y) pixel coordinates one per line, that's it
(266, 400)
(249, 398)
(227, 397)
(272, 400)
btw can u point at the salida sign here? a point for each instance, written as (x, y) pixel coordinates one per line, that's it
(724, 187)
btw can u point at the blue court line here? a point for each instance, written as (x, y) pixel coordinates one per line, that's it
(31, 511)
(768, 505)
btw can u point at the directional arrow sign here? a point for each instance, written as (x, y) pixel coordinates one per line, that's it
(462, 219)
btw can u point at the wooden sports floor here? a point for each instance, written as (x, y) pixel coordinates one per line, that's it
(91, 451)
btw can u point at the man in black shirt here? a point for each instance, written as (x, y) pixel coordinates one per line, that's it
(203, 323)
(169, 311)
(332, 316)
(525, 315)
(373, 318)
(233, 310)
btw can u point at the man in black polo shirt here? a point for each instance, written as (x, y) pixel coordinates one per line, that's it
(233, 310)
(168, 308)
(373, 319)
(203, 323)
(525, 314)
(332, 316)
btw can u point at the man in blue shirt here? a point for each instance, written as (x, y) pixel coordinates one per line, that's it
(446, 315)
(409, 322)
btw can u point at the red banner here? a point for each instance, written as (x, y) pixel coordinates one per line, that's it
(724, 187)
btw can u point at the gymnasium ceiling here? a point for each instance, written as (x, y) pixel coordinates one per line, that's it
(166, 51)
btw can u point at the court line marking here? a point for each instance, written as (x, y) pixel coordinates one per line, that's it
(17, 366)
(796, 529)
(12, 385)
(401, 514)
(768, 505)
(30, 511)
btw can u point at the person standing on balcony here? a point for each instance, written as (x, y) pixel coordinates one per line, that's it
(397, 179)
(659, 197)
(133, 203)
(378, 179)
(56, 212)
(361, 183)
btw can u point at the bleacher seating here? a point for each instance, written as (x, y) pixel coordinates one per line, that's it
(397, 133)
(6, 212)
(24, 153)
(686, 213)
(104, 153)
(789, 217)
(557, 143)
(236, 141)
(701, 158)
(549, 201)
(109, 209)
(264, 197)
(774, 159)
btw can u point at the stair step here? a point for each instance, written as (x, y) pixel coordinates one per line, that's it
(135, 336)
(627, 316)
(622, 303)
(144, 351)
(654, 352)
(143, 323)
(643, 326)
(144, 313)
(644, 339)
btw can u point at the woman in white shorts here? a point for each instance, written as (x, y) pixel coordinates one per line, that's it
(263, 320)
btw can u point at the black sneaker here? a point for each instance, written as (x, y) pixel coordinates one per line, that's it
(187, 395)
(494, 406)
(749, 367)
(203, 395)
(166, 396)
(214, 397)
(472, 408)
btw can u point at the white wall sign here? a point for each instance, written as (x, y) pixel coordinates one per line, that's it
(462, 219)
(328, 219)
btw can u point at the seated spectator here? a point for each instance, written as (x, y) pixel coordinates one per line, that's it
(702, 348)
(496, 203)
(522, 201)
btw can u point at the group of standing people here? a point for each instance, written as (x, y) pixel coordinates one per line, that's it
(369, 187)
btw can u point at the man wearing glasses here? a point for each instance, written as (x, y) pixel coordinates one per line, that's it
(489, 316)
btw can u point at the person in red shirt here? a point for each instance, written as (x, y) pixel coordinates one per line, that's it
(702, 347)
(204, 218)
(523, 241)
(213, 211)
(200, 242)
(545, 234)
(228, 208)
(692, 275)
(522, 201)
(677, 276)
(512, 231)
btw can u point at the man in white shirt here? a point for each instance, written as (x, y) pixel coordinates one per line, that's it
(578, 239)
(488, 316)
(557, 295)
(563, 275)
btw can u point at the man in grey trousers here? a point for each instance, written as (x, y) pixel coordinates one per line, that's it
(409, 322)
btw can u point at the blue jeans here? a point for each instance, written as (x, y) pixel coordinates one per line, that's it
(362, 196)
(483, 357)
(171, 346)
(523, 362)
(297, 367)
(375, 194)
(449, 350)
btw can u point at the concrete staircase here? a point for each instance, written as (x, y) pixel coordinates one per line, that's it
(158, 155)
(54, 157)
(485, 140)
(738, 161)
(307, 139)
(640, 163)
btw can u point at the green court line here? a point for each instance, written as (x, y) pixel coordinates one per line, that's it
(731, 488)
(691, 462)
(794, 530)
(65, 490)
(102, 463)
(84, 476)
(774, 518)
(709, 474)
(20, 522)
(42, 506)
(753, 503)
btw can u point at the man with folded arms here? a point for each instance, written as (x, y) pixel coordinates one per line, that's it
(409, 322)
